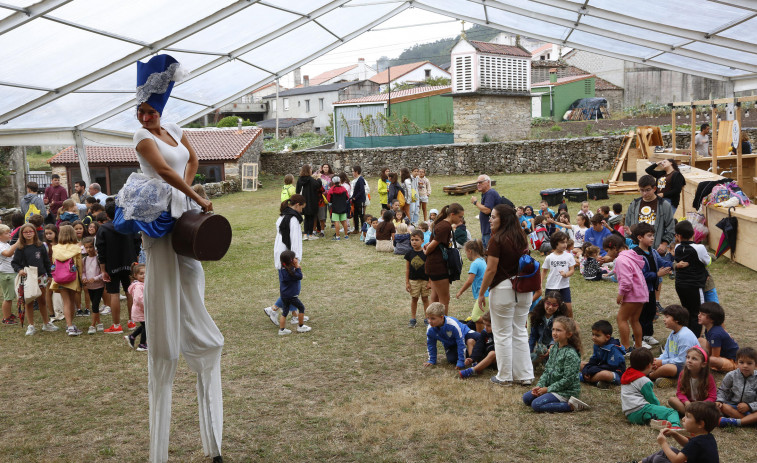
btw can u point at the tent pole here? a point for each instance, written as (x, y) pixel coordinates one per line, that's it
(277, 108)
(81, 154)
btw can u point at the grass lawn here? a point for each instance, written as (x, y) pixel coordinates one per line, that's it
(353, 389)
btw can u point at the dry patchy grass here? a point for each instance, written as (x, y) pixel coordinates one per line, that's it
(353, 389)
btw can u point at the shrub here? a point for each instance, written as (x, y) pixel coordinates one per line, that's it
(555, 128)
(233, 121)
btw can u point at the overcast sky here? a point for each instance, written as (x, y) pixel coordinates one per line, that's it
(389, 42)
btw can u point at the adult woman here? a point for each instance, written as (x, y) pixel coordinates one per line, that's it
(310, 188)
(509, 309)
(288, 238)
(670, 180)
(436, 266)
(383, 183)
(175, 314)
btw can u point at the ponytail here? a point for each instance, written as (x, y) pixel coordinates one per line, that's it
(454, 208)
(293, 200)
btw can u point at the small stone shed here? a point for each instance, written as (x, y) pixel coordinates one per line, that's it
(222, 151)
(288, 126)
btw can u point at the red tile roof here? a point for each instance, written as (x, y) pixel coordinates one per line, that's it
(325, 76)
(398, 71)
(210, 145)
(403, 95)
(562, 80)
(566, 70)
(541, 49)
(497, 49)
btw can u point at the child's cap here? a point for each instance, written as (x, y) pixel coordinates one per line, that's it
(336, 179)
(433, 211)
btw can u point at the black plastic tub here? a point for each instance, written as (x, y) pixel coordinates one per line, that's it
(553, 196)
(597, 190)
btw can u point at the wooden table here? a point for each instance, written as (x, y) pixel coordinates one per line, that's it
(463, 188)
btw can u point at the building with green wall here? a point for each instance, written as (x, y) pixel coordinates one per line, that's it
(556, 95)
(422, 106)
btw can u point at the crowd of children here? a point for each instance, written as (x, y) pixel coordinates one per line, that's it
(68, 269)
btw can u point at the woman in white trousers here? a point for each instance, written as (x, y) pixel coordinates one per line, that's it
(175, 315)
(509, 309)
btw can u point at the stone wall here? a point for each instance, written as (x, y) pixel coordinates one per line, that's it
(233, 170)
(527, 156)
(499, 117)
(217, 189)
(13, 186)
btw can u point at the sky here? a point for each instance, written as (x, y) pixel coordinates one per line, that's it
(387, 42)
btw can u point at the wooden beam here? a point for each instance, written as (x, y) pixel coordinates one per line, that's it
(715, 129)
(673, 129)
(741, 99)
(693, 135)
(739, 170)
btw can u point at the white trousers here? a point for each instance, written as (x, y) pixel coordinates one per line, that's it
(509, 330)
(178, 322)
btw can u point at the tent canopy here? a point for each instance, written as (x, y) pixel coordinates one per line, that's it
(69, 65)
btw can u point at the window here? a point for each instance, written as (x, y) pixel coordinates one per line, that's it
(118, 176)
(212, 172)
(307, 106)
(428, 73)
(320, 104)
(286, 104)
(273, 105)
(96, 174)
(503, 73)
(299, 103)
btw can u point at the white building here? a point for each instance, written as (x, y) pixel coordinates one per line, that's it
(489, 66)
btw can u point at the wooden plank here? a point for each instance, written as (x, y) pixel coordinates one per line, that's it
(693, 135)
(620, 158)
(673, 129)
(739, 165)
(463, 187)
(725, 129)
(714, 166)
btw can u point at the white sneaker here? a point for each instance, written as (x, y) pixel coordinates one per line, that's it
(650, 340)
(100, 327)
(30, 330)
(313, 237)
(272, 314)
(284, 332)
(92, 330)
(73, 330)
(49, 327)
(645, 345)
(122, 297)
(105, 310)
(303, 329)
(305, 237)
(296, 320)
(578, 405)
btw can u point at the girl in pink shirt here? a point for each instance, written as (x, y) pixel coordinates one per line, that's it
(632, 289)
(92, 279)
(695, 384)
(137, 291)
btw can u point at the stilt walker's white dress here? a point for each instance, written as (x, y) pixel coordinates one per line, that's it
(178, 322)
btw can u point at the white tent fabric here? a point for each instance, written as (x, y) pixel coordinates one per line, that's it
(69, 65)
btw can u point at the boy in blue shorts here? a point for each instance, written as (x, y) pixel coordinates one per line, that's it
(458, 340)
(608, 361)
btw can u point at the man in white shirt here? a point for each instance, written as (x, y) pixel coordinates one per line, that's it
(96, 192)
(702, 141)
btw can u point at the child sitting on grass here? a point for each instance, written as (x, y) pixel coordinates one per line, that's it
(541, 319)
(370, 233)
(416, 280)
(737, 394)
(560, 377)
(402, 240)
(608, 361)
(458, 340)
(637, 398)
(592, 269)
(483, 352)
(366, 225)
(539, 238)
(721, 347)
(290, 277)
(474, 251)
(385, 233)
(668, 366)
(597, 233)
(695, 384)
(558, 267)
(701, 418)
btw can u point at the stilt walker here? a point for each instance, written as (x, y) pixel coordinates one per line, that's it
(175, 314)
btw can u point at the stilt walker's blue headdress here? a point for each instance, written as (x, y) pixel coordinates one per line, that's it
(155, 80)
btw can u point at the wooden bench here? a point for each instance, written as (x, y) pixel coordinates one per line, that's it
(463, 188)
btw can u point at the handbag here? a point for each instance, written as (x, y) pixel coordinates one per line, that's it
(528, 278)
(29, 283)
(453, 258)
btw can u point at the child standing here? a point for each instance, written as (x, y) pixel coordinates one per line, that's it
(338, 198)
(424, 191)
(424, 227)
(695, 383)
(691, 274)
(474, 251)
(31, 253)
(137, 291)
(701, 418)
(288, 189)
(582, 226)
(290, 277)
(541, 319)
(654, 269)
(608, 359)
(67, 274)
(7, 274)
(632, 289)
(416, 280)
(681, 339)
(558, 268)
(92, 279)
(737, 394)
(637, 398)
(560, 377)
(721, 347)
(458, 340)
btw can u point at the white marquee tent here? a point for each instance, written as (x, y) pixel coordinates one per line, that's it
(67, 67)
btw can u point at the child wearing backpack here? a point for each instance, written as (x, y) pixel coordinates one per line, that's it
(288, 189)
(66, 270)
